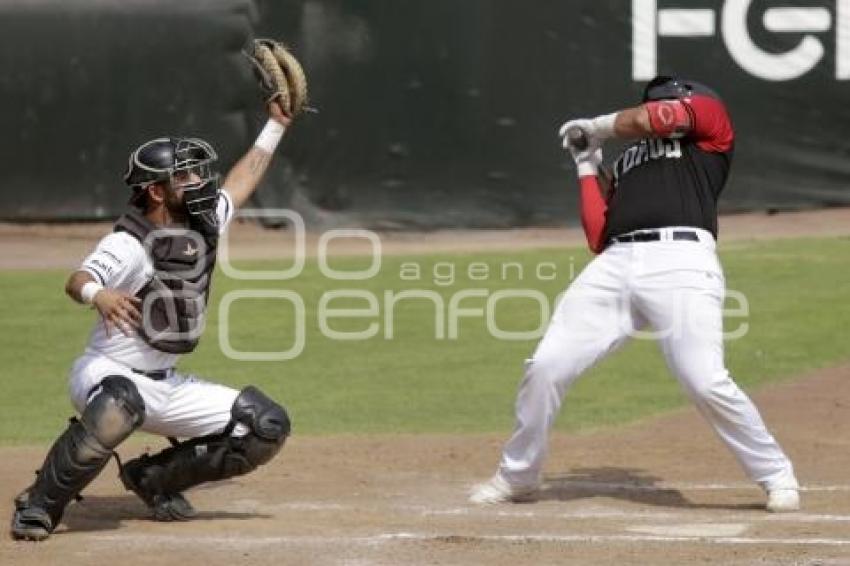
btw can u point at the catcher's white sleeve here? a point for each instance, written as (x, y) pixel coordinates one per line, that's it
(116, 262)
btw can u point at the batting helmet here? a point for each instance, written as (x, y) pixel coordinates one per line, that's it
(664, 88)
(159, 160)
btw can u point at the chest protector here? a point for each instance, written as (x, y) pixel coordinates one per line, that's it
(174, 301)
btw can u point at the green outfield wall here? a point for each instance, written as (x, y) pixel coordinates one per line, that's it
(430, 113)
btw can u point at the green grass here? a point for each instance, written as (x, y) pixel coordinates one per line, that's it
(797, 289)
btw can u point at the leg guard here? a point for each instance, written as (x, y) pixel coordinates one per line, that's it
(78, 456)
(160, 478)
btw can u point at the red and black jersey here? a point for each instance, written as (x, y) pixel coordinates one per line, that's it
(676, 179)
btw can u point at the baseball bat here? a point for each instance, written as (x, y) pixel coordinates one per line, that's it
(577, 138)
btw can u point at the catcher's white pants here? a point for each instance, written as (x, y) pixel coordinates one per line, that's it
(676, 288)
(182, 405)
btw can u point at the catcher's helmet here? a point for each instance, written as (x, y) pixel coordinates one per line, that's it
(664, 87)
(159, 160)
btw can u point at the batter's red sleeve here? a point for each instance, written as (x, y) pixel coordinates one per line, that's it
(593, 209)
(712, 128)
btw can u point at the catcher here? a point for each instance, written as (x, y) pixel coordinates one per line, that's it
(149, 279)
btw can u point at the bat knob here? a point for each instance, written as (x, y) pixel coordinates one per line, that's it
(577, 138)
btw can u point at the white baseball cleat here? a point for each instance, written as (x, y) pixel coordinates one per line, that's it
(497, 490)
(783, 500)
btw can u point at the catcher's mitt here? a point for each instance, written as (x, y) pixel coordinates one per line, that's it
(280, 75)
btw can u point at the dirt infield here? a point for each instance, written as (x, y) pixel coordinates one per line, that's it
(38, 246)
(662, 491)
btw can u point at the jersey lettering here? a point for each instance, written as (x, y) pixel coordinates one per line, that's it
(644, 151)
(107, 269)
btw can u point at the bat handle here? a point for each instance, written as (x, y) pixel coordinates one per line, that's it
(577, 138)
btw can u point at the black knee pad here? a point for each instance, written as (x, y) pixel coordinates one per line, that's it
(269, 424)
(114, 411)
(264, 417)
(246, 453)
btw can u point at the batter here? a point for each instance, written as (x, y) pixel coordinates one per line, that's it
(654, 227)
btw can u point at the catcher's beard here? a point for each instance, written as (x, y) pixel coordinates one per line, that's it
(175, 206)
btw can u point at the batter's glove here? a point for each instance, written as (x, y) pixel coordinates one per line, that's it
(597, 130)
(280, 75)
(587, 158)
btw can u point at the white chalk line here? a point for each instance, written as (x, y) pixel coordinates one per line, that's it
(756, 515)
(624, 538)
(386, 538)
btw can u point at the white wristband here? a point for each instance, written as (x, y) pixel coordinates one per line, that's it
(587, 169)
(603, 126)
(270, 136)
(89, 290)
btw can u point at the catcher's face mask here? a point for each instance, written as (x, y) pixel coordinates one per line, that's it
(193, 173)
(186, 165)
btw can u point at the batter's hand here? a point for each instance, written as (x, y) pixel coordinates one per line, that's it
(588, 159)
(118, 309)
(586, 126)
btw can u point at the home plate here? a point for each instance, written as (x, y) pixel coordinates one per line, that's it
(692, 530)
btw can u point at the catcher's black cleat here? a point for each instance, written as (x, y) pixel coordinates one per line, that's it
(30, 522)
(172, 508)
(165, 507)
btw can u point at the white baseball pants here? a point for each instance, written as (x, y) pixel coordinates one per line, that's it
(182, 405)
(675, 288)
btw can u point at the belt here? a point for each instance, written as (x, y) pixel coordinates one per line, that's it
(654, 236)
(155, 374)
